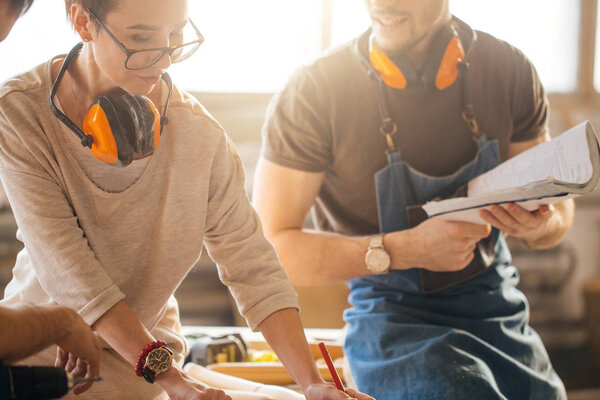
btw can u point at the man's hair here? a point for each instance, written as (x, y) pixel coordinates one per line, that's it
(21, 6)
(99, 7)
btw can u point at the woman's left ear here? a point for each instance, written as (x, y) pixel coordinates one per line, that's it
(81, 22)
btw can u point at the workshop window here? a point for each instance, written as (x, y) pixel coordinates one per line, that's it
(550, 39)
(547, 31)
(36, 37)
(253, 46)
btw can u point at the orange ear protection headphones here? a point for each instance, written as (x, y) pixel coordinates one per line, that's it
(116, 128)
(441, 68)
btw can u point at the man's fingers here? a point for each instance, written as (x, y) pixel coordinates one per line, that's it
(80, 369)
(61, 358)
(82, 387)
(71, 362)
(504, 217)
(91, 372)
(468, 258)
(495, 222)
(545, 212)
(473, 231)
(523, 216)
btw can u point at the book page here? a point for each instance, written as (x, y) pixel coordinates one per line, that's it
(566, 158)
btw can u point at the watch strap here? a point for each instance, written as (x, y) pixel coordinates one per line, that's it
(149, 375)
(376, 241)
(376, 255)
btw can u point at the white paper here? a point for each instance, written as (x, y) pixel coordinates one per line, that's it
(564, 167)
(565, 159)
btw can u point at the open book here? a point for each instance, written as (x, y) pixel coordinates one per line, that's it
(564, 167)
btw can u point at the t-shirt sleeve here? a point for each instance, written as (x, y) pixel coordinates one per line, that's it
(247, 262)
(530, 104)
(296, 133)
(56, 246)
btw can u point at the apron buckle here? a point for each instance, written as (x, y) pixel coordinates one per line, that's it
(472, 124)
(389, 129)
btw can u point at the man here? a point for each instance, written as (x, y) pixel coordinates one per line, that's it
(410, 111)
(27, 329)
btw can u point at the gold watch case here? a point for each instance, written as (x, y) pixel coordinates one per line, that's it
(159, 360)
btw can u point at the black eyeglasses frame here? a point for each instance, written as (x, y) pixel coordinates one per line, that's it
(164, 50)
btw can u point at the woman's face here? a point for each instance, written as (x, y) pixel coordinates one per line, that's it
(138, 24)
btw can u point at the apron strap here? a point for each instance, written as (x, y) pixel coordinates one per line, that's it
(388, 127)
(468, 113)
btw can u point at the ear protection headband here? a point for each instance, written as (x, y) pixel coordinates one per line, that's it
(441, 68)
(116, 129)
(446, 60)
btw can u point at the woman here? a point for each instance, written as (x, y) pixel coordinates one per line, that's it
(111, 232)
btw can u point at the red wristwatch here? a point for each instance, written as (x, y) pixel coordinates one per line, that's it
(155, 359)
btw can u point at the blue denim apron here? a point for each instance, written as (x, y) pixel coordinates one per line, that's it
(468, 341)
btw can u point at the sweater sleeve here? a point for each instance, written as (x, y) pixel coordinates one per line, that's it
(63, 262)
(247, 262)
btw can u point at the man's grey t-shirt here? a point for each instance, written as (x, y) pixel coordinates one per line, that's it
(326, 120)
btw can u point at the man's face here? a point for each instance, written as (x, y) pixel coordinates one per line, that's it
(398, 25)
(8, 16)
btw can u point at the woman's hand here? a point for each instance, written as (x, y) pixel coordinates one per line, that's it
(328, 391)
(79, 349)
(180, 386)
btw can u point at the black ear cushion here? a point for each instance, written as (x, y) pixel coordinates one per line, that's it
(434, 58)
(137, 111)
(119, 131)
(407, 67)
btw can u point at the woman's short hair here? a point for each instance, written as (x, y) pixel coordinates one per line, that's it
(100, 7)
(21, 6)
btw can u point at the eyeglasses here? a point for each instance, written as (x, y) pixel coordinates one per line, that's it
(140, 59)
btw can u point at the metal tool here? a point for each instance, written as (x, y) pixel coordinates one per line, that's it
(206, 350)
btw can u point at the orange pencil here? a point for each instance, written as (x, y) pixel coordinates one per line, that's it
(332, 370)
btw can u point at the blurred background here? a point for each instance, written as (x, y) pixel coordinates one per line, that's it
(251, 49)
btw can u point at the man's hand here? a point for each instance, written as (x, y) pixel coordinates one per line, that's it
(328, 391)
(518, 222)
(435, 244)
(79, 349)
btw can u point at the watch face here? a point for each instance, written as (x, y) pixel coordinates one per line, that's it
(159, 360)
(378, 260)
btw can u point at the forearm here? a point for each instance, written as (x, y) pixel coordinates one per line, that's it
(283, 331)
(312, 258)
(27, 329)
(557, 228)
(123, 331)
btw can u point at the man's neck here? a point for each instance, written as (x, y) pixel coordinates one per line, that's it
(419, 51)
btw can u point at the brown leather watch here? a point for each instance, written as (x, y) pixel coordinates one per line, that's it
(158, 361)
